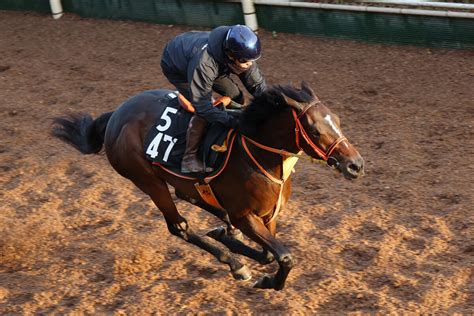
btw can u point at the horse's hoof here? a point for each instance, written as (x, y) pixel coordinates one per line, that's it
(266, 282)
(236, 234)
(216, 233)
(242, 273)
(267, 258)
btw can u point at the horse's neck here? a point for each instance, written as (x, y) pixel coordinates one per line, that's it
(278, 135)
(270, 135)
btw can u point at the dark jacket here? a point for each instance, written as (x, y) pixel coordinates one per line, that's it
(200, 59)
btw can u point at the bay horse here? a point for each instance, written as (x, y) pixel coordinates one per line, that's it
(278, 125)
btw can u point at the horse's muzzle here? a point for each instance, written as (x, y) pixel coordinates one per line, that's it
(353, 169)
(350, 168)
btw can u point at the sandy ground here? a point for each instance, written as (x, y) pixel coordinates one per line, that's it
(76, 238)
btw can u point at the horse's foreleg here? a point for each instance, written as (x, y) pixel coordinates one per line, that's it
(177, 225)
(229, 235)
(272, 227)
(236, 245)
(253, 227)
(219, 213)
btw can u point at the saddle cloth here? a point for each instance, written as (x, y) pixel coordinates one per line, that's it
(165, 143)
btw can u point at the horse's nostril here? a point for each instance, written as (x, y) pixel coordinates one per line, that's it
(332, 162)
(353, 168)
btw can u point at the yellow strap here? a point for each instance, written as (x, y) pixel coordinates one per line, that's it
(288, 166)
(278, 205)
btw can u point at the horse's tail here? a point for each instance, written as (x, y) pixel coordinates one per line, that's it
(81, 131)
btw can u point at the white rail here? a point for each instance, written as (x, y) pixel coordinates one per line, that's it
(444, 5)
(366, 8)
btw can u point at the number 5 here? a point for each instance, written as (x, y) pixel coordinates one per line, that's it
(167, 119)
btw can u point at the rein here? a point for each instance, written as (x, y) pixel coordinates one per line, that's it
(299, 130)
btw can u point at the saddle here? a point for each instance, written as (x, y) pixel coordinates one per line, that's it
(165, 143)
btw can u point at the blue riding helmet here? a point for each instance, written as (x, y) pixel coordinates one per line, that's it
(242, 43)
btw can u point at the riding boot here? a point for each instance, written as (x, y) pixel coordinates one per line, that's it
(191, 161)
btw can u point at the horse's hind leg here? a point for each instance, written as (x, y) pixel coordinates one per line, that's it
(177, 225)
(230, 236)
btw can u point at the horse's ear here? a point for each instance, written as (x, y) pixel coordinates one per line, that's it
(293, 103)
(305, 87)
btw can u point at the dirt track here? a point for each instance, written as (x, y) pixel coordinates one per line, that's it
(76, 237)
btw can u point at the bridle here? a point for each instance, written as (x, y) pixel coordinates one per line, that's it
(299, 131)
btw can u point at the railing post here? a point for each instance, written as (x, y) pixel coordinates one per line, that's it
(56, 8)
(250, 16)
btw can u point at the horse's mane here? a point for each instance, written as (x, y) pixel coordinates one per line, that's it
(268, 104)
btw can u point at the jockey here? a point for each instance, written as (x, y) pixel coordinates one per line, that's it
(198, 63)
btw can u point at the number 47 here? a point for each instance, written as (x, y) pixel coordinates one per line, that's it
(152, 149)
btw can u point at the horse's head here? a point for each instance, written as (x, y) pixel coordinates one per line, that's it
(318, 133)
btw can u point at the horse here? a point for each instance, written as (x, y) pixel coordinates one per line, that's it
(280, 125)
